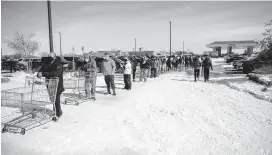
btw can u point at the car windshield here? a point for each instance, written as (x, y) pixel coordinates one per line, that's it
(254, 55)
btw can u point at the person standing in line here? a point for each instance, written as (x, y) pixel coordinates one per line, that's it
(50, 70)
(186, 61)
(127, 74)
(108, 69)
(206, 65)
(134, 67)
(156, 67)
(90, 77)
(159, 67)
(153, 67)
(169, 63)
(144, 65)
(196, 66)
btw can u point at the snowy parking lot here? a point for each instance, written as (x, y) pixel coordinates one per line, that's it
(167, 115)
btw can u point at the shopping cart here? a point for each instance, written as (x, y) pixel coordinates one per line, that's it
(32, 101)
(77, 84)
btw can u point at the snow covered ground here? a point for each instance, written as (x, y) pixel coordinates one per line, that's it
(167, 115)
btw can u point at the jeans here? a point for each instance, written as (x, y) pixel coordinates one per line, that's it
(134, 73)
(109, 79)
(153, 73)
(196, 71)
(127, 81)
(57, 104)
(90, 78)
(206, 74)
(143, 74)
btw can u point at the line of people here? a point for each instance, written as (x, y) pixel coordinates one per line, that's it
(149, 68)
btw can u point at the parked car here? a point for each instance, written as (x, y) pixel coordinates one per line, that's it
(214, 55)
(238, 64)
(233, 58)
(264, 58)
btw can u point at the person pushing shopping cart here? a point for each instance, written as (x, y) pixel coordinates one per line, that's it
(52, 69)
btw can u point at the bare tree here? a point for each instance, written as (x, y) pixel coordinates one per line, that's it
(22, 44)
(266, 42)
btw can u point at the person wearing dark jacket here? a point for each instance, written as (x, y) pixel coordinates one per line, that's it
(134, 67)
(206, 65)
(196, 66)
(54, 69)
(169, 63)
(108, 69)
(186, 61)
(90, 77)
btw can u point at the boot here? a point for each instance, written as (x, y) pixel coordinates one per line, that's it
(114, 94)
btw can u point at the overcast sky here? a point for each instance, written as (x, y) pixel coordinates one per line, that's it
(111, 25)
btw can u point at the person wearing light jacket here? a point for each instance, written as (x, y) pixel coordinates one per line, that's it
(108, 69)
(90, 77)
(127, 74)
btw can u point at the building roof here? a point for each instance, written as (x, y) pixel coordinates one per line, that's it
(233, 43)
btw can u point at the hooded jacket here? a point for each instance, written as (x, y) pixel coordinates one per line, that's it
(144, 64)
(196, 63)
(207, 63)
(108, 67)
(53, 69)
(91, 66)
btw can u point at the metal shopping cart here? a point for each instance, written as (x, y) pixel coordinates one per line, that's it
(32, 100)
(77, 84)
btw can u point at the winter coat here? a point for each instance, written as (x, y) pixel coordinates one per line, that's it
(186, 59)
(144, 64)
(108, 67)
(196, 63)
(169, 62)
(207, 63)
(53, 69)
(127, 68)
(154, 63)
(134, 63)
(91, 66)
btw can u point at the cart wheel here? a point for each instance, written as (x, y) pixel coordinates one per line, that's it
(4, 129)
(23, 131)
(54, 119)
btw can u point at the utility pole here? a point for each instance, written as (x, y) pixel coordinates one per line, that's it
(73, 49)
(50, 26)
(170, 36)
(60, 46)
(183, 46)
(135, 44)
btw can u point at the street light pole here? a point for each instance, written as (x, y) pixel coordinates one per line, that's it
(60, 46)
(170, 36)
(135, 44)
(183, 46)
(50, 26)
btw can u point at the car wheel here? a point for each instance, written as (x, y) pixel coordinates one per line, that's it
(245, 70)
